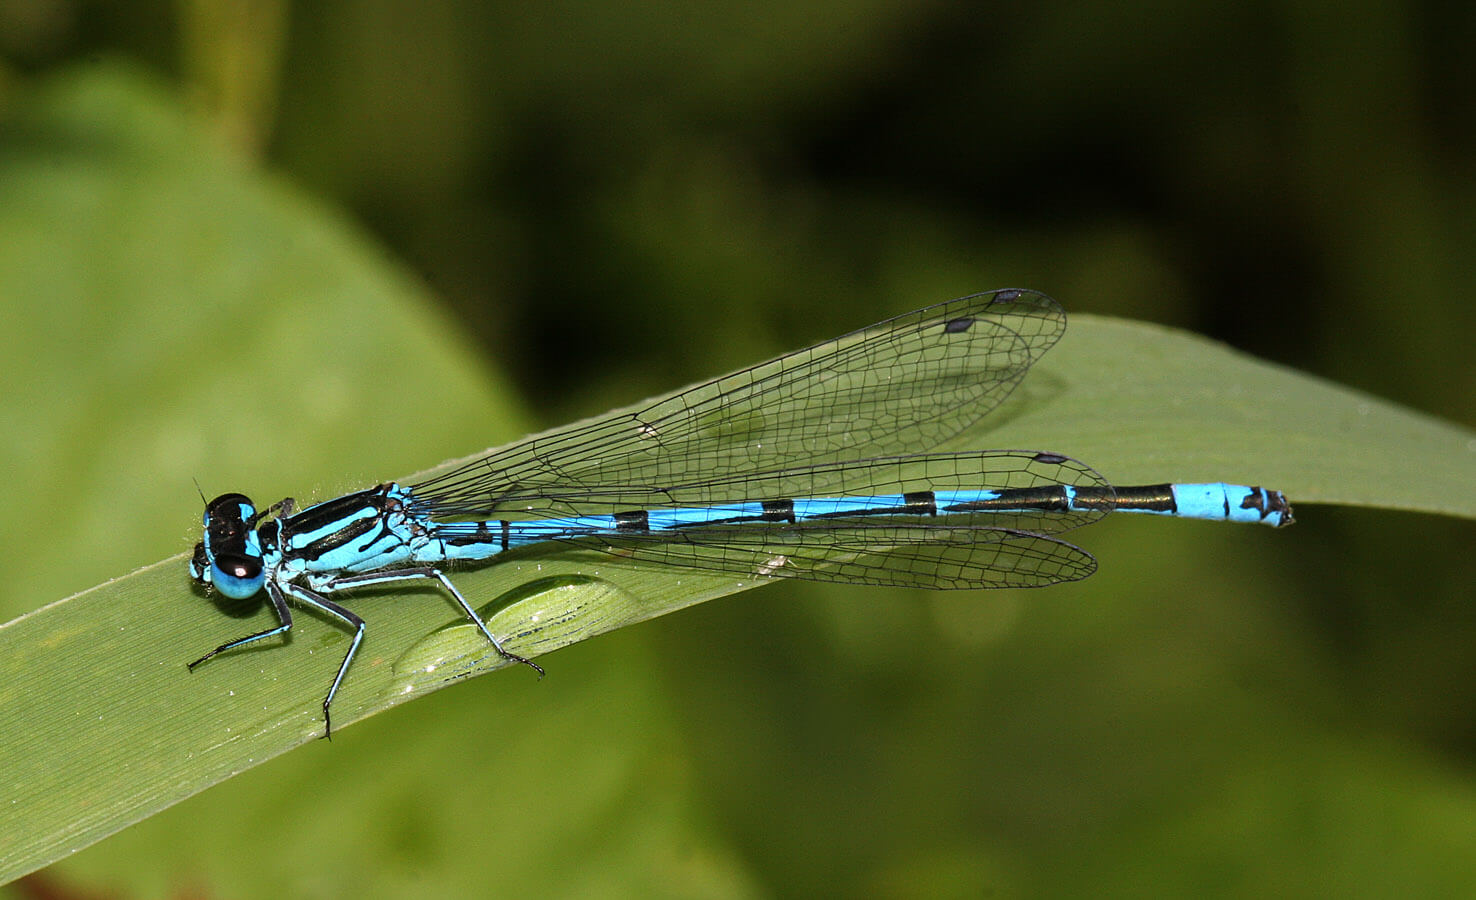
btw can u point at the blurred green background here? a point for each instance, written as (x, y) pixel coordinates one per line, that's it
(579, 205)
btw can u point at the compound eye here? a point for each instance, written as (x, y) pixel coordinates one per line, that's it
(236, 576)
(200, 565)
(231, 506)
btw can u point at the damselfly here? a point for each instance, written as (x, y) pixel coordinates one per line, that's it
(814, 465)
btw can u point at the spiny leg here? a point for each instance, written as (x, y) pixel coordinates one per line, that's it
(323, 604)
(284, 615)
(428, 574)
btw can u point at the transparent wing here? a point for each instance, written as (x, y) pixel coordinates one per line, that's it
(988, 470)
(909, 383)
(910, 555)
(972, 547)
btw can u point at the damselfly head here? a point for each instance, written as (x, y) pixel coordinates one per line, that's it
(229, 558)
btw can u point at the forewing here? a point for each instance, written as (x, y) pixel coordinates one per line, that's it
(979, 471)
(907, 384)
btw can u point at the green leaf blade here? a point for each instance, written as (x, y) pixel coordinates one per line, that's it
(209, 295)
